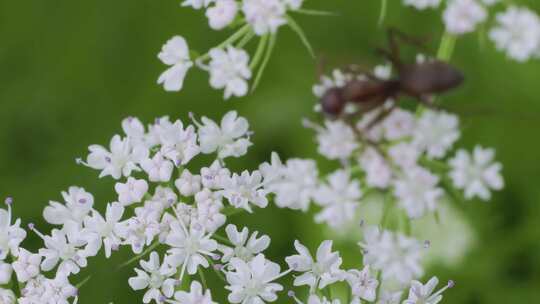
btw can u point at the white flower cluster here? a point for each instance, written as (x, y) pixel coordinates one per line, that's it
(391, 149)
(228, 64)
(183, 218)
(516, 30)
(62, 249)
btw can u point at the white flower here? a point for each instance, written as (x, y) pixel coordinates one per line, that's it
(27, 265)
(7, 296)
(317, 273)
(337, 140)
(11, 236)
(194, 296)
(244, 248)
(293, 4)
(158, 168)
(104, 231)
(222, 14)
(228, 139)
(477, 174)
(178, 144)
(197, 4)
(363, 285)
(188, 184)
(398, 124)
(35, 291)
(422, 4)
(175, 53)
(5, 272)
(264, 15)
(132, 191)
(67, 247)
(294, 184)
(78, 203)
(134, 130)
(155, 277)
(397, 256)
(164, 196)
(141, 229)
(339, 199)
(208, 211)
(121, 160)
(229, 70)
(378, 171)
(423, 294)
(405, 155)
(462, 16)
(189, 248)
(517, 33)
(436, 132)
(58, 290)
(417, 192)
(241, 190)
(251, 282)
(212, 177)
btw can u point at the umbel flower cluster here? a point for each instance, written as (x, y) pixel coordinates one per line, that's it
(229, 64)
(407, 155)
(513, 29)
(165, 205)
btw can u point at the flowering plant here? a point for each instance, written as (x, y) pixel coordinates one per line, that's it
(177, 217)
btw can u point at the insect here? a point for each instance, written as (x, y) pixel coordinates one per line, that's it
(417, 80)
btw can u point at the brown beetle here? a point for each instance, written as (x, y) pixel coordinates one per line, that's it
(418, 80)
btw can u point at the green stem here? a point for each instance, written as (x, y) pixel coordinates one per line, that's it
(222, 239)
(315, 12)
(407, 225)
(446, 48)
(382, 15)
(246, 39)
(140, 255)
(259, 52)
(298, 30)
(386, 210)
(268, 54)
(83, 282)
(233, 38)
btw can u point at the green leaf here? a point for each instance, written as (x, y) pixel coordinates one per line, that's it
(268, 54)
(295, 27)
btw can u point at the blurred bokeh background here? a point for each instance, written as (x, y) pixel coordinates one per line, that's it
(70, 71)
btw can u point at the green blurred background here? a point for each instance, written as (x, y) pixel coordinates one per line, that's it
(71, 71)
